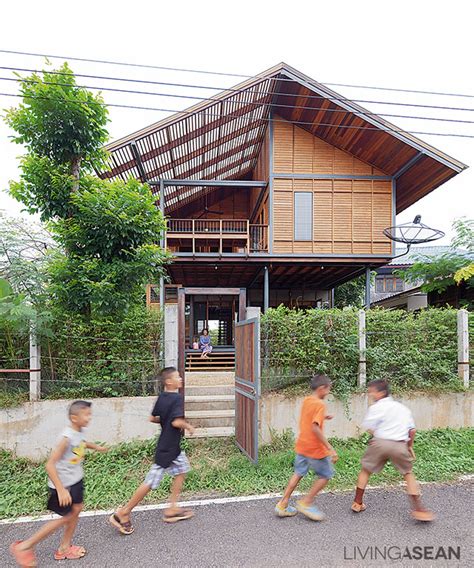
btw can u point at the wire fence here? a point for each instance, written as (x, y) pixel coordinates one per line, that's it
(413, 351)
(74, 365)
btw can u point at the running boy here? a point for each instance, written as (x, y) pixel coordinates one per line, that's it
(393, 430)
(169, 412)
(313, 451)
(66, 489)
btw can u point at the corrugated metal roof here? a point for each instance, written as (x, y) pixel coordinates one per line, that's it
(416, 252)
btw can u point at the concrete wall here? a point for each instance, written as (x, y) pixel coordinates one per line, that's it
(31, 430)
(171, 335)
(455, 410)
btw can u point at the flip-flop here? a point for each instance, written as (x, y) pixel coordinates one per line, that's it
(74, 552)
(181, 515)
(124, 527)
(24, 558)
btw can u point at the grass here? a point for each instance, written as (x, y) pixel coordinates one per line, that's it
(220, 469)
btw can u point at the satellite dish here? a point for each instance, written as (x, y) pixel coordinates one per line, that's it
(414, 233)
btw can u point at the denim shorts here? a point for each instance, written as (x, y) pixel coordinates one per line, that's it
(322, 468)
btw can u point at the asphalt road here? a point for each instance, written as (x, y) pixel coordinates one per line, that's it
(248, 534)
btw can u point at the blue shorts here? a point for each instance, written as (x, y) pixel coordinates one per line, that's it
(322, 468)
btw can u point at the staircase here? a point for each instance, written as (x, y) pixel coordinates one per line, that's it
(210, 403)
(221, 359)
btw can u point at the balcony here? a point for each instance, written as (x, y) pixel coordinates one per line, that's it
(218, 236)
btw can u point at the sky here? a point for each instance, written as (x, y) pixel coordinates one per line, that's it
(422, 45)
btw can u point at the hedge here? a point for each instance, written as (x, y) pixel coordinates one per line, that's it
(415, 351)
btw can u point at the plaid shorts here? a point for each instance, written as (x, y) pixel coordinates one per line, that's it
(179, 466)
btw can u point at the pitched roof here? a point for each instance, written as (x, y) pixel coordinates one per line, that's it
(221, 137)
(415, 252)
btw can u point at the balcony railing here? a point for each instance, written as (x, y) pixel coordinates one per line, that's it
(205, 235)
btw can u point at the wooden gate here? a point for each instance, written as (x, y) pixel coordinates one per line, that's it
(247, 386)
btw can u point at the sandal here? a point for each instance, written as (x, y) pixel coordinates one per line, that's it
(180, 515)
(74, 552)
(24, 558)
(124, 527)
(358, 507)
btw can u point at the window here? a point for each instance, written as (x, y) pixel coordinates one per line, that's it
(303, 218)
(385, 284)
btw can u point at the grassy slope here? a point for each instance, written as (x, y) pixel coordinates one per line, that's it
(220, 469)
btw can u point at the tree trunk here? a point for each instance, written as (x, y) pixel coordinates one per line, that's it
(75, 172)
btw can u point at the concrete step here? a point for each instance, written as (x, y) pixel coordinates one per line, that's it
(209, 402)
(224, 432)
(211, 418)
(206, 391)
(209, 378)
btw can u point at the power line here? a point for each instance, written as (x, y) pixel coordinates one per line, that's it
(221, 74)
(246, 103)
(233, 90)
(386, 128)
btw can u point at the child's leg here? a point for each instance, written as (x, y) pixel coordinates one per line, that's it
(70, 528)
(420, 513)
(46, 530)
(317, 486)
(292, 485)
(362, 481)
(124, 512)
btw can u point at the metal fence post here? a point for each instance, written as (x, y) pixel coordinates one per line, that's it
(362, 374)
(35, 365)
(463, 347)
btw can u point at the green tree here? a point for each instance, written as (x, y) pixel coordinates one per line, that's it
(63, 127)
(24, 249)
(106, 231)
(448, 269)
(352, 294)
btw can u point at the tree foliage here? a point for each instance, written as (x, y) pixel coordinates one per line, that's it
(106, 231)
(449, 268)
(24, 249)
(350, 294)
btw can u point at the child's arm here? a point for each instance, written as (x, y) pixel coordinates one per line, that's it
(154, 419)
(411, 439)
(64, 497)
(181, 424)
(96, 447)
(322, 438)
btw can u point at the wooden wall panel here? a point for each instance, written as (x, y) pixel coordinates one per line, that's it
(283, 150)
(348, 218)
(297, 151)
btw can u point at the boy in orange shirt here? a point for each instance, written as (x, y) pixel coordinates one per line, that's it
(313, 451)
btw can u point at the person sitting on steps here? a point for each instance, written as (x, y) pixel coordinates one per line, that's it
(205, 343)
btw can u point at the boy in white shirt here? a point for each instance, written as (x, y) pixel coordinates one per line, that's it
(393, 430)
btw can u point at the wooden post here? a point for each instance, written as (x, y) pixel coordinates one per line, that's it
(362, 374)
(266, 290)
(463, 347)
(35, 365)
(181, 334)
(242, 304)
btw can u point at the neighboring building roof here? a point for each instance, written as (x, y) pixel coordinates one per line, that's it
(388, 298)
(411, 257)
(221, 138)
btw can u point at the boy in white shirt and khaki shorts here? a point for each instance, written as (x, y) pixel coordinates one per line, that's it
(393, 430)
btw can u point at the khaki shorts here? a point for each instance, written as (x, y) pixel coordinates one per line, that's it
(380, 451)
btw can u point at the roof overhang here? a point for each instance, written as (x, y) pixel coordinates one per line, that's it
(220, 138)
